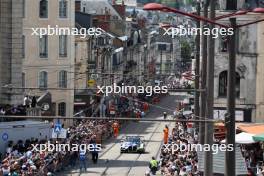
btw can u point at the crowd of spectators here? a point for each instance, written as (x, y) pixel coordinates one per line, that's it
(179, 84)
(12, 110)
(254, 158)
(21, 159)
(179, 163)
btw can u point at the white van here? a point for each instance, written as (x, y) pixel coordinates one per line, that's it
(22, 130)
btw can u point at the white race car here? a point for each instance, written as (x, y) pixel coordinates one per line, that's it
(132, 144)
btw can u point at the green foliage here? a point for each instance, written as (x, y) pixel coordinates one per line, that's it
(185, 50)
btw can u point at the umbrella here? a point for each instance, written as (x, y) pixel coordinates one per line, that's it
(259, 137)
(243, 138)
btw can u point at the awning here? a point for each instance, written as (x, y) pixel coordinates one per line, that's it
(253, 129)
(243, 138)
(259, 137)
(218, 158)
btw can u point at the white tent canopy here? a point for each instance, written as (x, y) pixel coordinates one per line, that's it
(243, 138)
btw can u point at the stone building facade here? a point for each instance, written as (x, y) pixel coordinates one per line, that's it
(11, 13)
(48, 63)
(246, 72)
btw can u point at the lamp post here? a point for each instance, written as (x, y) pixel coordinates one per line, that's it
(197, 67)
(209, 113)
(203, 76)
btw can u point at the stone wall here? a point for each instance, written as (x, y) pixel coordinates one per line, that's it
(246, 64)
(10, 49)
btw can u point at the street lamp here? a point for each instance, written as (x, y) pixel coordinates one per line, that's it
(160, 7)
(242, 12)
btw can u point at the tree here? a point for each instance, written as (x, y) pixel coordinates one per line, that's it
(185, 50)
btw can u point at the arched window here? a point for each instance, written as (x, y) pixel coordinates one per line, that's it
(62, 109)
(63, 79)
(43, 79)
(43, 9)
(223, 84)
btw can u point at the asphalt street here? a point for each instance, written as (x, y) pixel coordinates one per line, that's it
(112, 163)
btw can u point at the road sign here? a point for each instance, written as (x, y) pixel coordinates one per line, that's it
(57, 128)
(91, 82)
(62, 134)
(94, 76)
(5, 136)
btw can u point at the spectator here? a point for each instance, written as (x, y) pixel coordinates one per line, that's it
(82, 156)
(179, 162)
(5, 169)
(33, 102)
(27, 101)
(94, 151)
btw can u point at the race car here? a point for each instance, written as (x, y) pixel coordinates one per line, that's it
(132, 144)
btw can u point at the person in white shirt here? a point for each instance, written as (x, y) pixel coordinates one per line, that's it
(259, 171)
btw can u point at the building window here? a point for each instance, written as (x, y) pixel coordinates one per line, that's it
(84, 9)
(63, 79)
(223, 84)
(23, 80)
(43, 79)
(223, 43)
(63, 4)
(63, 45)
(23, 46)
(43, 9)
(43, 46)
(75, 53)
(62, 109)
(237, 88)
(24, 8)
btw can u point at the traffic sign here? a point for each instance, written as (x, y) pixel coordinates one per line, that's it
(62, 134)
(91, 82)
(57, 127)
(94, 76)
(5, 136)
